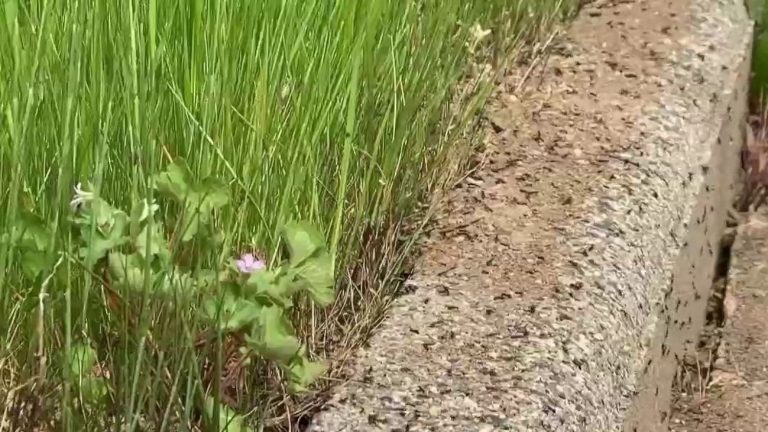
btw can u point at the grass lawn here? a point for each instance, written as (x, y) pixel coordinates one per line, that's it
(308, 134)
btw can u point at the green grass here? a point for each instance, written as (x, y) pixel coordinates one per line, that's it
(759, 83)
(347, 114)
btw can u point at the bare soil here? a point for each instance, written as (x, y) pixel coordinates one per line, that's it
(727, 389)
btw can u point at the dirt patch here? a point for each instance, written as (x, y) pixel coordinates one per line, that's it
(733, 395)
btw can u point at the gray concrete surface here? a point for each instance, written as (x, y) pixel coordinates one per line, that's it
(572, 272)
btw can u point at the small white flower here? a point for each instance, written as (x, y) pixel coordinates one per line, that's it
(81, 197)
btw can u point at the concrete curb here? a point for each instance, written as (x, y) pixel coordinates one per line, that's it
(633, 261)
(707, 124)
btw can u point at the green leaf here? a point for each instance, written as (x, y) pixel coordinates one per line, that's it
(34, 232)
(33, 263)
(206, 197)
(204, 278)
(82, 359)
(140, 212)
(100, 214)
(302, 373)
(316, 273)
(155, 240)
(213, 194)
(273, 337)
(81, 362)
(176, 181)
(272, 286)
(97, 248)
(109, 234)
(229, 420)
(191, 220)
(190, 224)
(93, 389)
(199, 199)
(302, 241)
(126, 270)
(230, 312)
(33, 238)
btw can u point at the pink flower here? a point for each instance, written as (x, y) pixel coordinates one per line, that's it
(249, 264)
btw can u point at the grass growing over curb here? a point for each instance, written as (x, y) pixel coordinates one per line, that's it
(344, 114)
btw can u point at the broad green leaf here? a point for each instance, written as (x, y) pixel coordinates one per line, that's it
(82, 359)
(244, 313)
(33, 263)
(126, 270)
(208, 278)
(134, 280)
(100, 214)
(118, 263)
(139, 213)
(34, 232)
(216, 239)
(198, 210)
(272, 286)
(212, 306)
(230, 312)
(273, 337)
(33, 238)
(119, 224)
(229, 420)
(199, 199)
(212, 194)
(97, 248)
(93, 389)
(302, 373)
(302, 241)
(316, 273)
(155, 240)
(190, 222)
(108, 236)
(81, 362)
(194, 219)
(176, 181)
